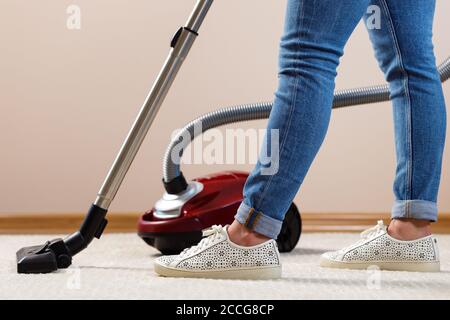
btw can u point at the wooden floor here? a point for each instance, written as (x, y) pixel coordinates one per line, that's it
(36, 223)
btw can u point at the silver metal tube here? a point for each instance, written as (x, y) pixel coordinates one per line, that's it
(246, 112)
(198, 15)
(151, 105)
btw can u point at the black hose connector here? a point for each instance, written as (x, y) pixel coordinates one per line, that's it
(177, 185)
(93, 226)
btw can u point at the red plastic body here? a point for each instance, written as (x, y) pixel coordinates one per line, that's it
(215, 204)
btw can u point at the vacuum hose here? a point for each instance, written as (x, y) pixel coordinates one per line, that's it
(342, 98)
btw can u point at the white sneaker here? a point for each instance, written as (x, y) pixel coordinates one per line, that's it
(215, 256)
(378, 248)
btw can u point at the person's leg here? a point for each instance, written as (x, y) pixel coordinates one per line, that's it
(313, 41)
(404, 50)
(314, 37)
(403, 46)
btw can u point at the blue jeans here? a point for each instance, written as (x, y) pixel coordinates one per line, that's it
(315, 34)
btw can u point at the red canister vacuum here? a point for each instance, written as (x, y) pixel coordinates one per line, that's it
(176, 222)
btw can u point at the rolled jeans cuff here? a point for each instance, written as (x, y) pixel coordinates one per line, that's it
(415, 209)
(257, 221)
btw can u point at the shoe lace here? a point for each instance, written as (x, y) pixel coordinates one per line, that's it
(366, 234)
(210, 235)
(380, 227)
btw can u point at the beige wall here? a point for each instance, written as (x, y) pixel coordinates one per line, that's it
(68, 98)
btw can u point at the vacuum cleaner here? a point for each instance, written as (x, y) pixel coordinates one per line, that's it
(186, 208)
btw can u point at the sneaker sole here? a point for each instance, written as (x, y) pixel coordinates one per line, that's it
(391, 266)
(262, 273)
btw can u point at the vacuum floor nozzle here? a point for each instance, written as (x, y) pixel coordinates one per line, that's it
(51, 256)
(57, 254)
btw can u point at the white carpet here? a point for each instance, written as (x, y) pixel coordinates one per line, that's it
(119, 266)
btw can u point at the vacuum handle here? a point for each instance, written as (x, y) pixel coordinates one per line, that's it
(181, 46)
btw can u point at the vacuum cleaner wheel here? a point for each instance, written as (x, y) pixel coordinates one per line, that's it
(290, 230)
